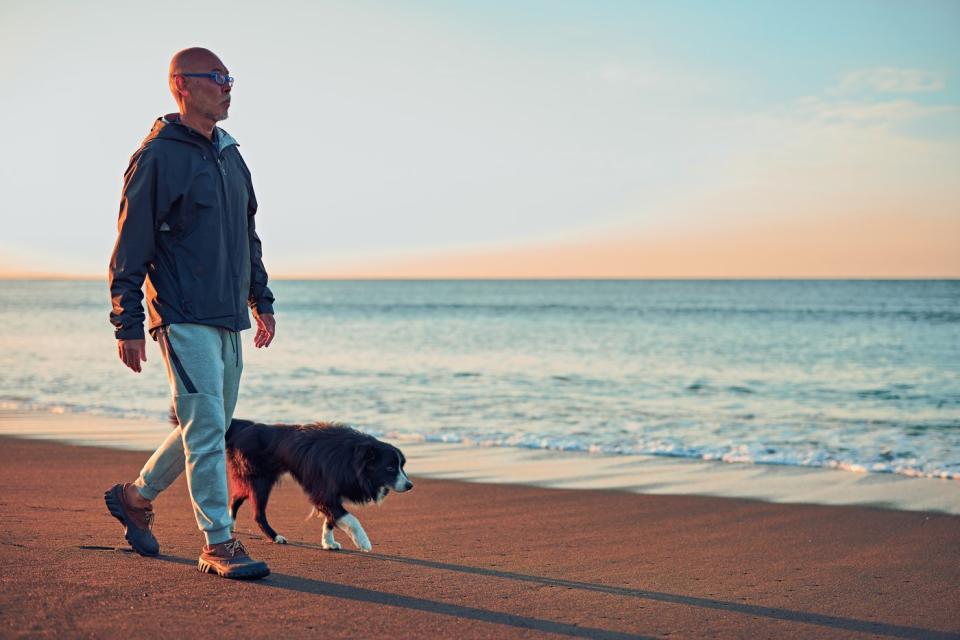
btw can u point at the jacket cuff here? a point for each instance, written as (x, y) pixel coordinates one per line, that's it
(134, 332)
(262, 307)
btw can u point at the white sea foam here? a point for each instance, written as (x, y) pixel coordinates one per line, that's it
(754, 453)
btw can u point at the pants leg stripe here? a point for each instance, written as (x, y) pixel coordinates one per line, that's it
(187, 382)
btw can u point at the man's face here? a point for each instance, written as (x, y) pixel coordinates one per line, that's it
(204, 96)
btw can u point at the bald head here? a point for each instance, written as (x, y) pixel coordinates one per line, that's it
(195, 60)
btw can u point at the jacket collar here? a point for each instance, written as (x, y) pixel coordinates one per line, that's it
(169, 126)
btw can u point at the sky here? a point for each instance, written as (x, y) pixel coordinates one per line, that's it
(510, 139)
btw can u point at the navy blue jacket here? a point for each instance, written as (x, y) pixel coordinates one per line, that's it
(187, 226)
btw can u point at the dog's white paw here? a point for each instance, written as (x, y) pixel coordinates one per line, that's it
(351, 526)
(280, 539)
(360, 539)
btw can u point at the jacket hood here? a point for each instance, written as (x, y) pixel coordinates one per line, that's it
(169, 127)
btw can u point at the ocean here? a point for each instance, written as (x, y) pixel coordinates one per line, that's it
(855, 375)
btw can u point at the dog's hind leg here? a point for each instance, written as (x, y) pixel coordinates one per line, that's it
(239, 490)
(261, 494)
(329, 524)
(328, 541)
(235, 503)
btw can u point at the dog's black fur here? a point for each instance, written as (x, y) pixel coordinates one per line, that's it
(332, 463)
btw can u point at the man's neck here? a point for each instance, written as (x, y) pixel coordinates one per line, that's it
(199, 123)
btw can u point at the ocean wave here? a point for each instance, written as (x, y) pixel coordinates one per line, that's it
(905, 462)
(754, 453)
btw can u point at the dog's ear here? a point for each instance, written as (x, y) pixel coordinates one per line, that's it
(363, 455)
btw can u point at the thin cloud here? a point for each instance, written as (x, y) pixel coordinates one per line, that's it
(868, 113)
(670, 80)
(891, 80)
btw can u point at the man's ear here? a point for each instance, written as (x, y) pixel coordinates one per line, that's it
(180, 83)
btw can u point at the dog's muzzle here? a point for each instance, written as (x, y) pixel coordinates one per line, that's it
(402, 483)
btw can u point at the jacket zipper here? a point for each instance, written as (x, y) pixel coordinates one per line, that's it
(221, 169)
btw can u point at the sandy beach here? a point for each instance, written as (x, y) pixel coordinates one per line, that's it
(454, 559)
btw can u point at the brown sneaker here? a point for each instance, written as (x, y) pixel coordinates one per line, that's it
(230, 560)
(137, 521)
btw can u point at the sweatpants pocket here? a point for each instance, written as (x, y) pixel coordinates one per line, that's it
(175, 361)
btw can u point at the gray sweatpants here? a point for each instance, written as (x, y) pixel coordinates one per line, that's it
(203, 365)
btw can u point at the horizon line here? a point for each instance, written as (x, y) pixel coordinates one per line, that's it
(309, 278)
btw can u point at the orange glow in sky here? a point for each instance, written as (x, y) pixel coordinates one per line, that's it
(882, 246)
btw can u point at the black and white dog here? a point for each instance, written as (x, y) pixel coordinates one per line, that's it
(333, 463)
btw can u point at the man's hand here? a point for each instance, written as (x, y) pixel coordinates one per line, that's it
(266, 329)
(132, 352)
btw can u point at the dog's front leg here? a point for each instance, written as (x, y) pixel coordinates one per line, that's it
(349, 524)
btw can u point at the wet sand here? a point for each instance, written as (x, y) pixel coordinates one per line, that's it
(562, 469)
(471, 560)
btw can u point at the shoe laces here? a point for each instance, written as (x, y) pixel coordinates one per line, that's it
(234, 547)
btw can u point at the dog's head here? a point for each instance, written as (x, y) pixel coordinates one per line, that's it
(380, 466)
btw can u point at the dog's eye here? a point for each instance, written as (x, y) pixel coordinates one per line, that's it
(391, 468)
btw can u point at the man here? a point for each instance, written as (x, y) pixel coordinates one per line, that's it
(187, 226)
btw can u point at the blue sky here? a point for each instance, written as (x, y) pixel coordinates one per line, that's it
(381, 132)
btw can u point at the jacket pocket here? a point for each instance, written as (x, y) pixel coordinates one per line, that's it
(199, 209)
(201, 252)
(207, 294)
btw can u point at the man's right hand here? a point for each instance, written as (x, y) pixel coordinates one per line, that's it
(132, 352)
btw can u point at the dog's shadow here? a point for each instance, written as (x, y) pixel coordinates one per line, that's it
(775, 613)
(331, 589)
(359, 594)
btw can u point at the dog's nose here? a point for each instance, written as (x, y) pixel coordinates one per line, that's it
(408, 486)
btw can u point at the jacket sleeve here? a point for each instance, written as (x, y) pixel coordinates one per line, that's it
(134, 248)
(260, 297)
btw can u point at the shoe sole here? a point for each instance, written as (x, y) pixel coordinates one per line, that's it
(115, 507)
(253, 572)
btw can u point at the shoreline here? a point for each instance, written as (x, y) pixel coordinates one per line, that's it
(471, 560)
(643, 474)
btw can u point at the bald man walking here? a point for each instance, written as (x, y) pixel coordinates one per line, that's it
(187, 227)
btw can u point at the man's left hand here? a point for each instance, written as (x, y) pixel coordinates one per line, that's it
(266, 329)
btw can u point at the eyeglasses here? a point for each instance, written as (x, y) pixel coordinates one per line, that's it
(219, 78)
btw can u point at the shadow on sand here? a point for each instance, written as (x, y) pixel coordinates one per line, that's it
(335, 590)
(833, 622)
